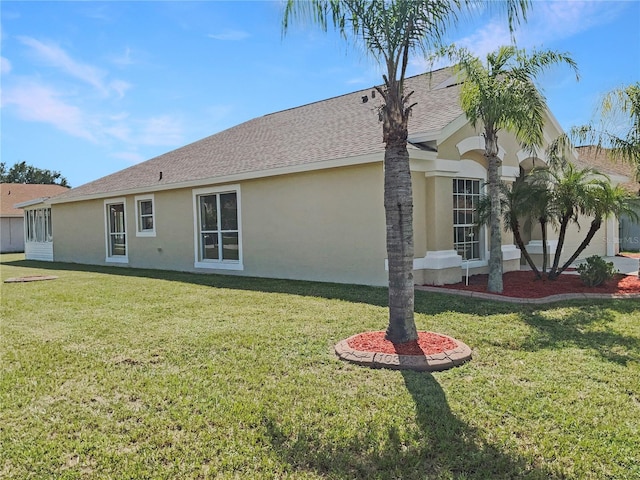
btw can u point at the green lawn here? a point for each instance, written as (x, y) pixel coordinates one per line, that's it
(127, 374)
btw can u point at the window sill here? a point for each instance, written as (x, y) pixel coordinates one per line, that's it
(117, 260)
(146, 234)
(219, 265)
(474, 264)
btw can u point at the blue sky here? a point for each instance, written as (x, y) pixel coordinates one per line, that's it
(90, 88)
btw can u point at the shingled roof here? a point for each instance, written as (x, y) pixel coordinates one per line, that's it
(338, 128)
(601, 160)
(13, 193)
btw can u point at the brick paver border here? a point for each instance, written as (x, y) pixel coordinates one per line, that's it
(30, 278)
(549, 299)
(429, 363)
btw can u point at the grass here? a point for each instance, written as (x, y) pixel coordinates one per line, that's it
(119, 373)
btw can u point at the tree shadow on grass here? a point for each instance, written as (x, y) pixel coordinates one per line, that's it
(438, 446)
(425, 303)
(550, 333)
(587, 327)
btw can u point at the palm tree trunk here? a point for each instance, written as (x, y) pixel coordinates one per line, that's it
(523, 249)
(494, 283)
(561, 236)
(543, 227)
(398, 206)
(596, 223)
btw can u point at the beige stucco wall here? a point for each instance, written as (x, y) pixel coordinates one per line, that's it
(326, 225)
(575, 236)
(78, 232)
(422, 208)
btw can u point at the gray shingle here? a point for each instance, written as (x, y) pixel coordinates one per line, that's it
(337, 128)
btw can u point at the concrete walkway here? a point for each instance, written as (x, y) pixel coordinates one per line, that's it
(626, 265)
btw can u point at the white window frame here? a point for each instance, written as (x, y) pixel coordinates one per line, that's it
(139, 230)
(483, 257)
(38, 226)
(115, 258)
(210, 263)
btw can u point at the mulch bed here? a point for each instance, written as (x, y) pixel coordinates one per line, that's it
(524, 284)
(428, 343)
(432, 352)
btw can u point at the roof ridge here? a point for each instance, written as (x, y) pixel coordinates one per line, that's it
(347, 94)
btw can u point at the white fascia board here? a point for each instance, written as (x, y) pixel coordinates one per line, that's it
(421, 137)
(273, 172)
(442, 134)
(554, 121)
(30, 203)
(452, 127)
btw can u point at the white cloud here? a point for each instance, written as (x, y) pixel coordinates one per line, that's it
(120, 87)
(229, 35)
(548, 22)
(556, 20)
(120, 131)
(123, 60)
(32, 101)
(5, 65)
(55, 56)
(486, 39)
(39, 103)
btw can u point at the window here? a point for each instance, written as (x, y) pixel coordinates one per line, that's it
(218, 243)
(145, 216)
(466, 234)
(38, 226)
(116, 222)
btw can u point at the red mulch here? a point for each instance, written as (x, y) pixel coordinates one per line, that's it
(428, 343)
(524, 284)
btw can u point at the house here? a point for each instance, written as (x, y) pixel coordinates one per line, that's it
(299, 194)
(621, 173)
(12, 233)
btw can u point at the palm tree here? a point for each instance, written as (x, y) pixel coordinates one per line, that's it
(391, 30)
(517, 200)
(603, 201)
(623, 145)
(581, 192)
(500, 95)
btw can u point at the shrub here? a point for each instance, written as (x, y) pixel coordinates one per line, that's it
(595, 270)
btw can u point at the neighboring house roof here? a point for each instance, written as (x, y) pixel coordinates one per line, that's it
(600, 160)
(16, 193)
(343, 127)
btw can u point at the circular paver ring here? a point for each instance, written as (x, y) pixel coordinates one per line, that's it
(426, 363)
(30, 278)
